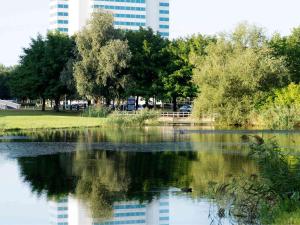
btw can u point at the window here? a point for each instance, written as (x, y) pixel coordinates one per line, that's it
(164, 4)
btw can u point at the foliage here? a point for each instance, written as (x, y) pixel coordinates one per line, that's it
(289, 48)
(281, 109)
(102, 59)
(5, 74)
(177, 75)
(96, 112)
(41, 65)
(137, 119)
(269, 196)
(148, 60)
(235, 72)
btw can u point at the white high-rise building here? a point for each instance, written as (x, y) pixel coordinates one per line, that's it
(71, 211)
(69, 16)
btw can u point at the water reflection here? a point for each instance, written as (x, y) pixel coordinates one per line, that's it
(140, 176)
(170, 208)
(99, 181)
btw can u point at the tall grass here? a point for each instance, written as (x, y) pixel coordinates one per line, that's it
(95, 111)
(140, 118)
(267, 197)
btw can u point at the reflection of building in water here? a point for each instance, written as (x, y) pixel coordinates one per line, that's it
(70, 211)
(59, 212)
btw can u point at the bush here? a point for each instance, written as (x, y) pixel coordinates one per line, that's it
(139, 118)
(270, 197)
(281, 110)
(96, 112)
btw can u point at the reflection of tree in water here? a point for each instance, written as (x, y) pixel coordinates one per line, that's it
(101, 178)
(49, 174)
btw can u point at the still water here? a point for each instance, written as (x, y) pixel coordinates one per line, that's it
(149, 176)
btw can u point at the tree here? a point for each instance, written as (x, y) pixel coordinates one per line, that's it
(103, 57)
(148, 60)
(288, 47)
(5, 72)
(234, 74)
(27, 81)
(59, 50)
(41, 65)
(177, 75)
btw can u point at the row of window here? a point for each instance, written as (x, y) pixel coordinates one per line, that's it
(62, 216)
(164, 26)
(62, 208)
(59, 14)
(163, 211)
(164, 11)
(60, 6)
(129, 206)
(163, 203)
(166, 19)
(164, 218)
(129, 214)
(164, 4)
(63, 200)
(113, 7)
(121, 222)
(131, 1)
(62, 21)
(63, 29)
(136, 24)
(129, 16)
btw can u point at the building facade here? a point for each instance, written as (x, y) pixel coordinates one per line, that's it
(71, 211)
(69, 16)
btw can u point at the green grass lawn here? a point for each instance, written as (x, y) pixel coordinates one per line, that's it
(27, 119)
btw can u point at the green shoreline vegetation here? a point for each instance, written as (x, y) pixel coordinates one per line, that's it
(11, 120)
(242, 78)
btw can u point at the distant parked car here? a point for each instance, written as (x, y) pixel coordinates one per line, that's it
(185, 108)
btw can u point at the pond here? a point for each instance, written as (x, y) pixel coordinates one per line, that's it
(152, 175)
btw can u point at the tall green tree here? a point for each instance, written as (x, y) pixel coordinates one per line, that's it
(59, 49)
(103, 57)
(27, 81)
(288, 47)
(41, 66)
(177, 75)
(235, 73)
(5, 73)
(149, 59)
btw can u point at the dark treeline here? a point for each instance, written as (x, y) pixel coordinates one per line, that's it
(240, 78)
(104, 64)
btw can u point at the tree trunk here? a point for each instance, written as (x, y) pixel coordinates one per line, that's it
(56, 105)
(137, 103)
(174, 101)
(43, 104)
(107, 102)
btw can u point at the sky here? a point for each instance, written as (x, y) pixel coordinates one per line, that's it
(21, 20)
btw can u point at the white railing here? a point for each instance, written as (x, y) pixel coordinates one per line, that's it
(163, 114)
(176, 114)
(9, 104)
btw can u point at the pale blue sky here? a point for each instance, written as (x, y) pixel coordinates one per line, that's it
(20, 20)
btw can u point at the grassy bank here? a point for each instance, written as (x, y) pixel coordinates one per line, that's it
(24, 120)
(12, 120)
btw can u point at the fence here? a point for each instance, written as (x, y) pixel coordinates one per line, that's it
(176, 114)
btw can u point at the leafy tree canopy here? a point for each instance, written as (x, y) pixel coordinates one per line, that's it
(234, 74)
(103, 58)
